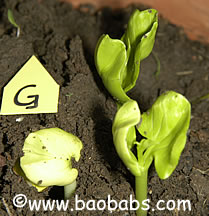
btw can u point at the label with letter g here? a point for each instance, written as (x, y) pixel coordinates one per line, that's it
(26, 92)
(30, 105)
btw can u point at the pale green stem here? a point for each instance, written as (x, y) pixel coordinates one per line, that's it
(141, 192)
(69, 190)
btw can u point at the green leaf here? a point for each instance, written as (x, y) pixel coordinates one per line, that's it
(124, 134)
(165, 126)
(111, 59)
(139, 39)
(140, 23)
(144, 48)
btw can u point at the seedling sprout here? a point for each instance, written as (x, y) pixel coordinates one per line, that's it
(12, 21)
(163, 127)
(47, 160)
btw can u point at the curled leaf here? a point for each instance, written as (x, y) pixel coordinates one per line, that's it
(165, 128)
(124, 134)
(139, 39)
(47, 157)
(111, 59)
(140, 23)
(18, 171)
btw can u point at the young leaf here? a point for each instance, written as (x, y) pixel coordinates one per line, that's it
(124, 134)
(144, 48)
(165, 126)
(139, 24)
(139, 39)
(111, 59)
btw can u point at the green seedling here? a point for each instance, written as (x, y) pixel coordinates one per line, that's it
(12, 21)
(118, 61)
(47, 160)
(164, 127)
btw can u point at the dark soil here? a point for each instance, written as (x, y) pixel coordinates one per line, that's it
(64, 39)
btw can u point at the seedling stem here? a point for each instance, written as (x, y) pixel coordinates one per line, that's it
(141, 192)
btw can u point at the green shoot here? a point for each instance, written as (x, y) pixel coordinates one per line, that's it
(118, 61)
(164, 126)
(12, 21)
